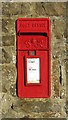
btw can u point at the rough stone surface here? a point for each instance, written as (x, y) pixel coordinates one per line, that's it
(8, 26)
(7, 54)
(59, 28)
(8, 78)
(11, 9)
(8, 40)
(50, 9)
(0, 41)
(56, 105)
(0, 55)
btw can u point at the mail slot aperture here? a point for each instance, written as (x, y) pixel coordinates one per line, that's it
(33, 57)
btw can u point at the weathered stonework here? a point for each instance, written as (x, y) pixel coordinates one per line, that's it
(8, 26)
(8, 40)
(51, 9)
(55, 106)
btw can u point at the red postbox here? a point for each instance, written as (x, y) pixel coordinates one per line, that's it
(33, 57)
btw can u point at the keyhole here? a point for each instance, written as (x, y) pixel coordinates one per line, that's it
(33, 53)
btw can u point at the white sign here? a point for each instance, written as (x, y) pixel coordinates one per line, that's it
(33, 70)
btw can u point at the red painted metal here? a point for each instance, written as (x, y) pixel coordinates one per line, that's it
(33, 34)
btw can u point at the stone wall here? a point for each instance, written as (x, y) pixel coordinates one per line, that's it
(55, 106)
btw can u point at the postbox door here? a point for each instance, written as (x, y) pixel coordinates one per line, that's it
(34, 90)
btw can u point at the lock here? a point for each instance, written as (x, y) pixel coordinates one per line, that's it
(33, 57)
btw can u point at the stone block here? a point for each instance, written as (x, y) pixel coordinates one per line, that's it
(25, 8)
(54, 8)
(59, 51)
(0, 41)
(55, 76)
(0, 80)
(40, 9)
(8, 26)
(0, 55)
(66, 77)
(36, 107)
(13, 90)
(10, 9)
(56, 67)
(0, 9)
(5, 9)
(6, 104)
(7, 54)
(55, 85)
(62, 93)
(8, 40)
(8, 77)
(59, 28)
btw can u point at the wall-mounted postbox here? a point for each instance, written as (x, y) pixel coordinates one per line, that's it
(33, 57)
